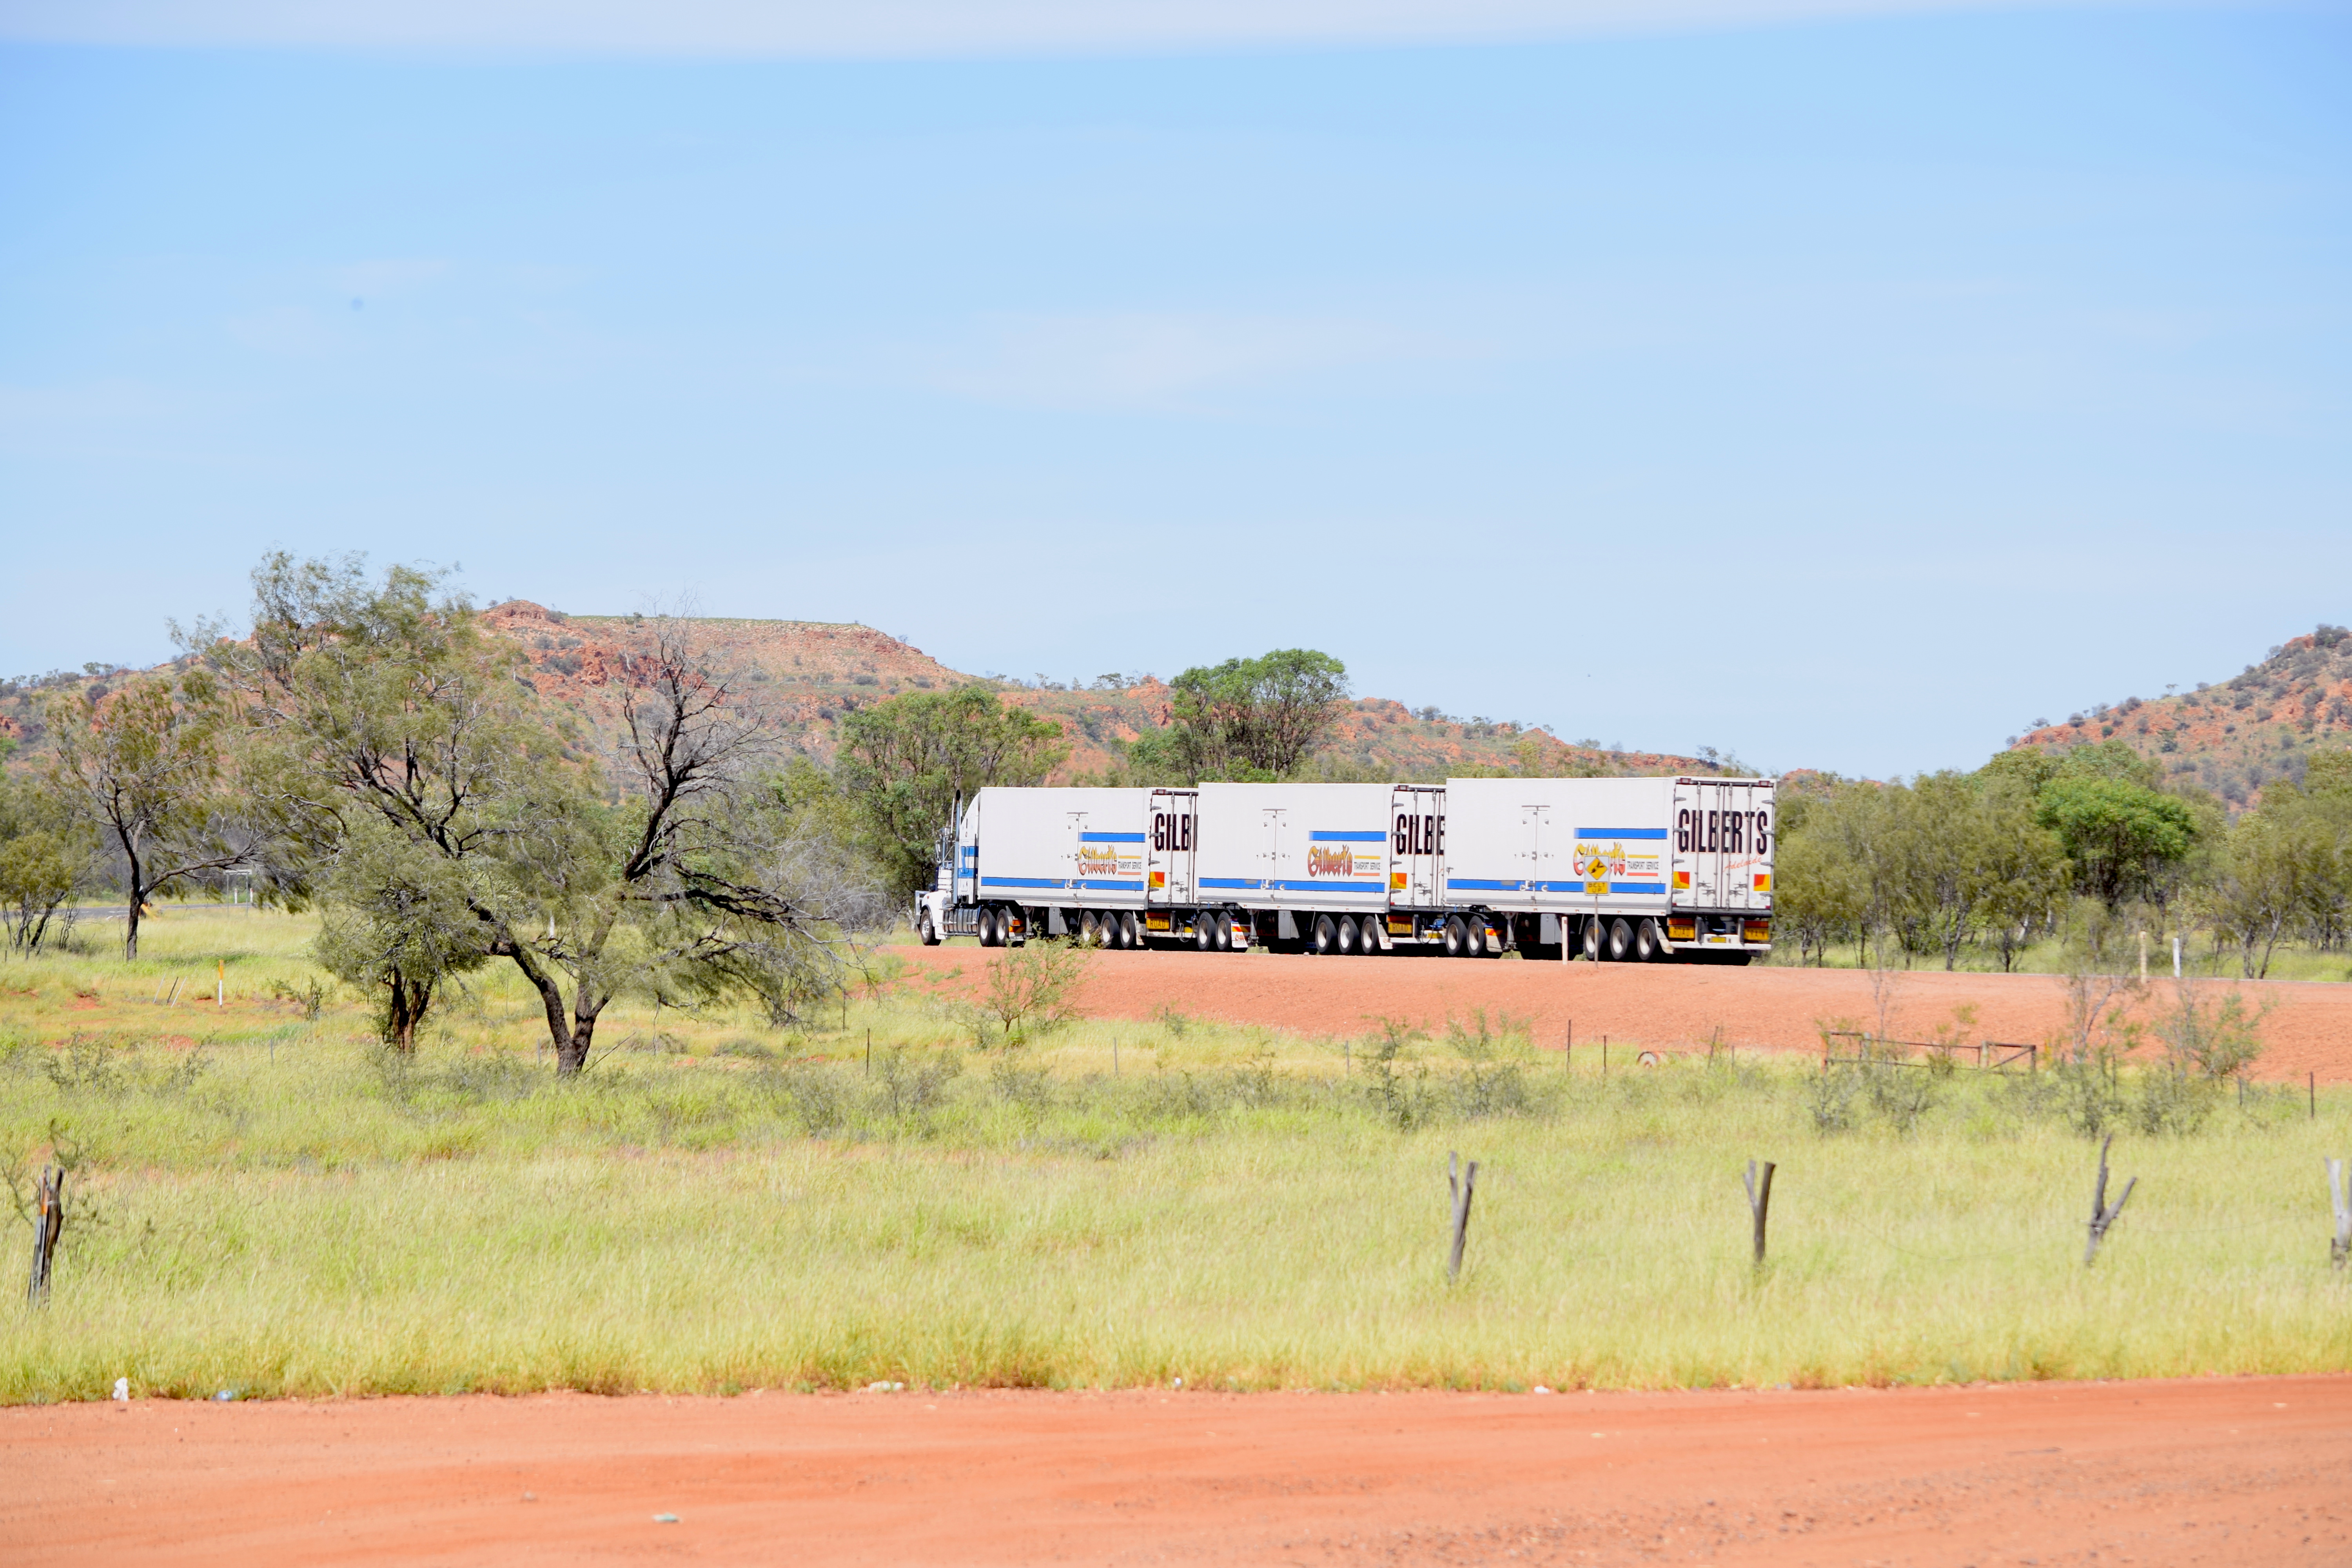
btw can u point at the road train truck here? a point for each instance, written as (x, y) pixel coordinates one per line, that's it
(1639, 869)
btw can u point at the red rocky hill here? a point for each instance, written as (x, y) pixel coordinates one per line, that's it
(2235, 736)
(816, 671)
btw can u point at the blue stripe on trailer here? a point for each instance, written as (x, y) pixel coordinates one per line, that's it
(1229, 882)
(1620, 832)
(1484, 884)
(1024, 882)
(1328, 886)
(1376, 837)
(1110, 837)
(1109, 887)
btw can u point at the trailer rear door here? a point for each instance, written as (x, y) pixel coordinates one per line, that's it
(1723, 844)
(1417, 847)
(1173, 813)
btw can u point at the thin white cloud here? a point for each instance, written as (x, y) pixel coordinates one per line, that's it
(886, 27)
(390, 276)
(1134, 359)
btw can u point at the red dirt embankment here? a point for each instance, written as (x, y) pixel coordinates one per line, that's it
(1667, 1006)
(2224, 1471)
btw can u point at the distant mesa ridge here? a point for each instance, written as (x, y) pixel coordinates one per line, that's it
(815, 671)
(2237, 735)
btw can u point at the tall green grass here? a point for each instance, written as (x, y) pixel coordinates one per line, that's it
(2200, 958)
(282, 1208)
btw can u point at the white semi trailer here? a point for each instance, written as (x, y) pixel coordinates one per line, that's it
(1614, 869)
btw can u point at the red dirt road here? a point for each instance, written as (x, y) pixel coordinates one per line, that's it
(2246, 1471)
(1668, 1007)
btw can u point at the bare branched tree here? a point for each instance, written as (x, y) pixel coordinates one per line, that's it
(665, 871)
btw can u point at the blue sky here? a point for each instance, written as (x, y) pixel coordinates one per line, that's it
(1841, 391)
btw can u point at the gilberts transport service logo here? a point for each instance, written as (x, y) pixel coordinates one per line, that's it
(1110, 860)
(1341, 860)
(1597, 866)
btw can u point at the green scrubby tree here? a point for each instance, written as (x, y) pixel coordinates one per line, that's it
(142, 766)
(1245, 719)
(44, 857)
(905, 764)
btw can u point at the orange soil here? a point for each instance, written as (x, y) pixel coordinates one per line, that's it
(1670, 1007)
(2221, 1471)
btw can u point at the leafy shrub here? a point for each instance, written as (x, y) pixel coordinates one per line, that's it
(1402, 1099)
(1031, 989)
(2216, 1038)
(1491, 1083)
(1830, 1097)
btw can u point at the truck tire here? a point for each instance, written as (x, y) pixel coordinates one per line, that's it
(927, 931)
(1222, 937)
(1347, 936)
(1205, 935)
(1368, 938)
(1326, 935)
(1647, 948)
(1621, 941)
(1590, 940)
(1130, 931)
(1456, 939)
(1473, 938)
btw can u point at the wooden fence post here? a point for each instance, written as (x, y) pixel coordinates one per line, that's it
(48, 1222)
(2102, 1215)
(1460, 1185)
(2339, 1198)
(1760, 1203)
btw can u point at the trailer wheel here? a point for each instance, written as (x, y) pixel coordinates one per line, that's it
(1368, 938)
(1130, 931)
(1474, 937)
(1591, 940)
(1647, 948)
(1204, 938)
(1621, 941)
(1456, 939)
(1222, 937)
(1347, 936)
(1326, 935)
